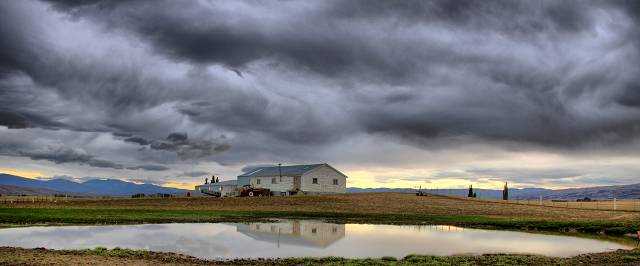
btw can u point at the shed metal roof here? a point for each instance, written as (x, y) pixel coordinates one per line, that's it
(289, 170)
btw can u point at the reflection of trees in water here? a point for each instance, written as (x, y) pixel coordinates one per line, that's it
(294, 232)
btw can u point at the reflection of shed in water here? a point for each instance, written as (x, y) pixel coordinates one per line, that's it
(294, 232)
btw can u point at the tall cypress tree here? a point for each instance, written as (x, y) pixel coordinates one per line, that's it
(505, 192)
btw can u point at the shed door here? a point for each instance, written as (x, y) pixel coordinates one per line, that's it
(296, 183)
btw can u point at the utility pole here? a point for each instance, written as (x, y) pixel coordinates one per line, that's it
(280, 170)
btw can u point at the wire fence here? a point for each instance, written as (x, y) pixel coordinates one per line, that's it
(32, 199)
(609, 203)
(12, 199)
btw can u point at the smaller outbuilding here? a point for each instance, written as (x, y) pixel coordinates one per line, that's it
(227, 188)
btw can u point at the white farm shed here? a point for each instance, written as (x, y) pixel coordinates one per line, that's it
(227, 188)
(295, 179)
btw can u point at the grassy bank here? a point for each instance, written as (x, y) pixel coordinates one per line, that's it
(21, 216)
(100, 256)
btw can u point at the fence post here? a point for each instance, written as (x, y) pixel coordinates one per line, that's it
(540, 200)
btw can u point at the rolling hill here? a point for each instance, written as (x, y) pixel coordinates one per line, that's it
(111, 187)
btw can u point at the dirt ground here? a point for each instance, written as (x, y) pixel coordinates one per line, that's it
(349, 203)
(19, 256)
(40, 256)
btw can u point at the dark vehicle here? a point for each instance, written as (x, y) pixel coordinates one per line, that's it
(249, 191)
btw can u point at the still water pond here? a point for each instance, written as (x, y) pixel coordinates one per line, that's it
(292, 238)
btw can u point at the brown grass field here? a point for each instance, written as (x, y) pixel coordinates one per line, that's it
(387, 203)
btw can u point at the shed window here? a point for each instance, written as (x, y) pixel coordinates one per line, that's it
(314, 230)
(314, 181)
(273, 180)
(258, 181)
(335, 181)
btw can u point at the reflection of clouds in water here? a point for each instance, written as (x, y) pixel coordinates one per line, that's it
(187, 245)
(89, 231)
(159, 237)
(449, 240)
(286, 238)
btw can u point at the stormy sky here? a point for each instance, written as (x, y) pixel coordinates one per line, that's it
(393, 93)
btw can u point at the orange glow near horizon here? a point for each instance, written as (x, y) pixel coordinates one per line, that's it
(188, 186)
(27, 174)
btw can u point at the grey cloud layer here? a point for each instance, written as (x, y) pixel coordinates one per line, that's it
(60, 155)
(556, 74)
(494, 69)
(179, 143)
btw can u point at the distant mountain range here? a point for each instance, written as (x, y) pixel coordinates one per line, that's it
(111, 187)
(603, 192)
(11, 184)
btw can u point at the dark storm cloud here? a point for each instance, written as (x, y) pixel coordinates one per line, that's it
(14, 119)
(250, 113)
(62, 155)
(327, 38)
(149, 167)
(42, 86)
(181, 144)
(17, 109)
(303, 75)
(137, 140)
(177, 137)
(195, 174)
(493, 95)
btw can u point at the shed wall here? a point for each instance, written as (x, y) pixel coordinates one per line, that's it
(283, 185)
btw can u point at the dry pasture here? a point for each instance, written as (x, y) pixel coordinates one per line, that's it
(394, 203)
